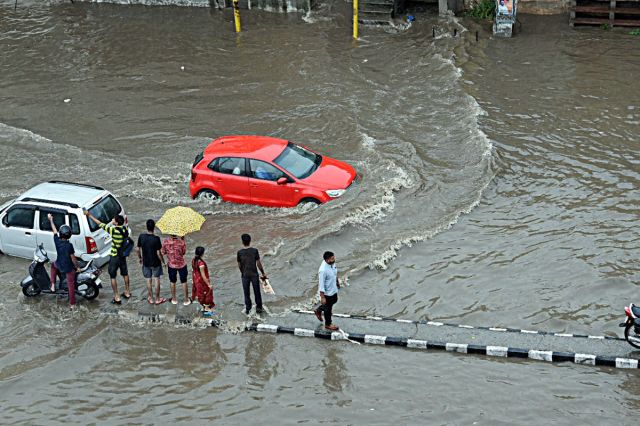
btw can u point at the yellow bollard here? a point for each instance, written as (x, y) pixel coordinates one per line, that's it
(355, 19)
(236, 15)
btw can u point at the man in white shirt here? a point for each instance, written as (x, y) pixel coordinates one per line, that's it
(328, 285)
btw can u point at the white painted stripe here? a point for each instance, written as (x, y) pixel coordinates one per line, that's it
(341, 315)
(302, 311)
(407, 321)
(303, 332)
(339, 335)
(586, 359)
(626, 363)
(456, 347)
(497, 351)
(541, 355)
(420, 344)
(374, 340)
(374, 318)
(529, 331)
(596, 337)
(563, 334)
(497, 329)
(437, 324)
(465, 326)
(267, 328)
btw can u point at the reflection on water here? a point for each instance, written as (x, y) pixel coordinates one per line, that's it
(335, 378)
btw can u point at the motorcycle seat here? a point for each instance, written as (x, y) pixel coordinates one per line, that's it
(635, 310)
(84, 265)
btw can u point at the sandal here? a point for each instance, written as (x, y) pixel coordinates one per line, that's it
(150, 300)
(186, 302)
(160, 301)
(116, 302)
(174, 302)
(125, 296)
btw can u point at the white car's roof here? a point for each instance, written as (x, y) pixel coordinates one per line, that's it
(64, 192)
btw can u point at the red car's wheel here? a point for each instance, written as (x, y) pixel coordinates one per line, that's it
(309, 201)
(208, 194)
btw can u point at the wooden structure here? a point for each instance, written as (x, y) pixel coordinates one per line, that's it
(375, 12)
(384, 12)
(612, 13)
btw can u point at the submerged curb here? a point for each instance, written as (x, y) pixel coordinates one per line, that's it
(495, 351)
(439, 324)
(159, 318)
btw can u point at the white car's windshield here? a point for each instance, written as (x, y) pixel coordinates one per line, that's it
(298, 161)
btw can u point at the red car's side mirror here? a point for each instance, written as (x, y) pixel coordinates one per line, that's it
(282, 181)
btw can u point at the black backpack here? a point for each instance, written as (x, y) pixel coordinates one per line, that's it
(126, 247)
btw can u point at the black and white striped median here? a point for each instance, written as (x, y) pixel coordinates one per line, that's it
(607, 351)
(439, 324)
(464, 348)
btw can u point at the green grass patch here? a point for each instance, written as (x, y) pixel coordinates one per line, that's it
(482, 9)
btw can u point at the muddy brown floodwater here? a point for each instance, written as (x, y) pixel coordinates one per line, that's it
(500, 189)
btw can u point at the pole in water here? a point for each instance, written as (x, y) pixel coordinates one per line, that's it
(433, 31)
(455, 32)
(476, 36)
(236, 15)
(15, 6)
(355, 19)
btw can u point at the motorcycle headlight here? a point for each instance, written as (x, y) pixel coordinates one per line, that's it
(335, 193)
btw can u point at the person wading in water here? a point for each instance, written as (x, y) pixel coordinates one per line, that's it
(118, 232)
(328, 286)
(249, 263)
(202, 287)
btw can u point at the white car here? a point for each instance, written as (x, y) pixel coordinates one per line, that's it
(24, 223)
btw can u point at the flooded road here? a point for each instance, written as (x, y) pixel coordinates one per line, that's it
(500, 188)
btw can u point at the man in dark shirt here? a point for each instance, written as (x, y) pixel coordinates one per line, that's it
(66, 262)
(249, 263)
(150, 256)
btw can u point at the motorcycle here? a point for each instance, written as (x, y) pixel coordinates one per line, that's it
(632, 325)
(38, 281)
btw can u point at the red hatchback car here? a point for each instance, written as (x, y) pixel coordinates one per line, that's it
(268, 172)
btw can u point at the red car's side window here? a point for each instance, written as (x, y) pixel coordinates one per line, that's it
(229, 165)
(264, 171)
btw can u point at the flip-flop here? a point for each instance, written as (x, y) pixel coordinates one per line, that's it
(116, 302)
(151, 302)
(125, 296)
(186, 302)
(174, 302)
(160, 301)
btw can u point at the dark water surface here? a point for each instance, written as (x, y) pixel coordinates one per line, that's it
(500, 188)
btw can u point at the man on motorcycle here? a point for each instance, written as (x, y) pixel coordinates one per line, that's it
(66, 263)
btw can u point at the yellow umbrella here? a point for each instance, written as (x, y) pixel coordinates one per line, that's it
(180, 221)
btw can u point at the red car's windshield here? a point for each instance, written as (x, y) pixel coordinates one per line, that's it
(298, 161)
